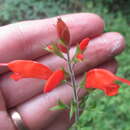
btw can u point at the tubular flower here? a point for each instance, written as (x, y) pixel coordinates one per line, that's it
(62, 48)
(80, 56)
(54, 80)
(63, 31)
(28, 69)
(83, 44)
(104, 80)
(50, 47)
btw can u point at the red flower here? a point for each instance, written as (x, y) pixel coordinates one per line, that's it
(50, 47)
(80, 56)
(54, 80)
(104, 80)
(62, 48)
(63, 31)
(28, 69)
(83, 44)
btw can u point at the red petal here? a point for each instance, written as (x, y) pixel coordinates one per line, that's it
(50, 47)
(63, 31)
(97, 78)
(54, 80)
(111, 90)
(123, 80)
(80, 56)
(84, 43)
(62, 48)
(30, 69)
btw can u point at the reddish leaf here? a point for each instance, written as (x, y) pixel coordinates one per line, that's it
(29, 69)
(63, 31)
(54, 80)
(104, 80)
(83, 44)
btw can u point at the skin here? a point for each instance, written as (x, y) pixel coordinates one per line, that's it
(24, 40)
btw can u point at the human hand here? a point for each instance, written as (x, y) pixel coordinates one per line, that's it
(24, 40)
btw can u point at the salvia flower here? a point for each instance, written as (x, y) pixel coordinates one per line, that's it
(80, 57)
(28, 69)
(104, 80)
(63, 31)
(62, 48)
(50, 47)
(54, 80)
(83, 44)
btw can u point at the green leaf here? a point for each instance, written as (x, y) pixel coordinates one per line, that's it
(63, 104)
(82, 83)
(66, 73)
(63, 81)
(72, 110)
(57, 51)
(57, 107)
(60, 106)
(54, 50)
(74, 59)
(62, 42)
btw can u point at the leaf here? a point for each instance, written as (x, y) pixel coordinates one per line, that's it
(57, 51)
(82, 83)
(60, 106)
(78, 51)
(54, 49)
(65, 73)
(62, 42)
(72, 110)
(57, 107)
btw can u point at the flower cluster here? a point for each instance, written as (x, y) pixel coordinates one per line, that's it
(96, 78)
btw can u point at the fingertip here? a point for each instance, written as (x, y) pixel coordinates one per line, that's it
(119, 42)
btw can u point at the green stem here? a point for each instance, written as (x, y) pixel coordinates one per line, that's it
(73, 82)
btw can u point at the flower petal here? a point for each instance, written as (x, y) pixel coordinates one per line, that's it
(62, 48)
(83, 44)
(111, 90)
(123, 80)
(80, 57)
(29, 69)
(54, 80)
(97, 78)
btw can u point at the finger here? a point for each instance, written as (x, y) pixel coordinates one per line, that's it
(5, 121)
(41, 104)
(97, 53)
(110, 65)
(62, 122)
(24, 40)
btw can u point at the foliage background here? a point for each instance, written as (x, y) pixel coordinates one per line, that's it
(101, 112)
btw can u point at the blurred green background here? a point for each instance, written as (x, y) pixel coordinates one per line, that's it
(101, 112)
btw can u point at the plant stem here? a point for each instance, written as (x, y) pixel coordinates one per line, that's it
(73, 82)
